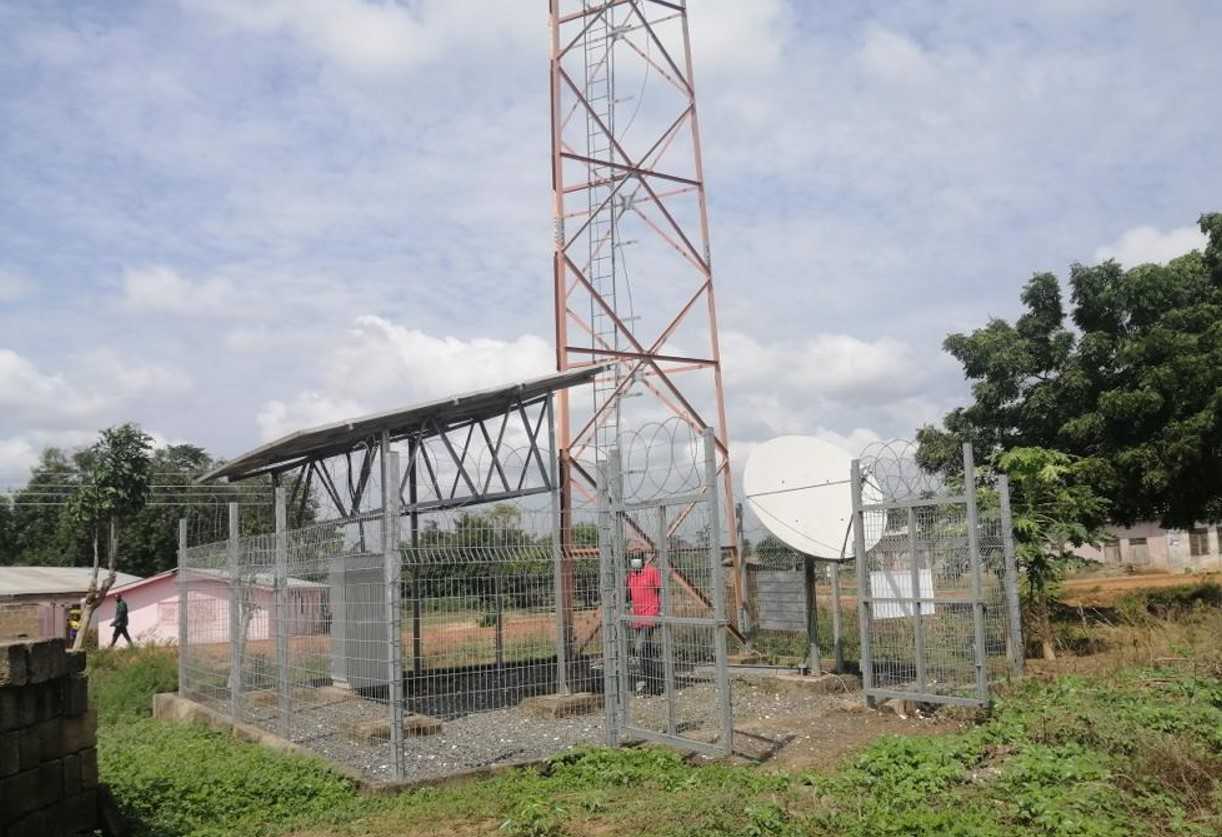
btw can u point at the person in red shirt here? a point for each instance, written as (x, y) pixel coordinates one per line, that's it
(645, 591)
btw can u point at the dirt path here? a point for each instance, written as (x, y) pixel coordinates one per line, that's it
(1104, 591)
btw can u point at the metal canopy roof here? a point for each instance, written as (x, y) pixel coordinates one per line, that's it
(344, 436)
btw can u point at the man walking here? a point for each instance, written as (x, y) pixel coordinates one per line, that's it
(645, 588)
(119, 623)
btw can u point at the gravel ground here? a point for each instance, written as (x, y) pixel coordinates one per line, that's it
(769, 716)
(473, 741)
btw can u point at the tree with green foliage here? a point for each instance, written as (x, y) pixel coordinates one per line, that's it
(1131, 385)
(1054, 510)
(114, 486)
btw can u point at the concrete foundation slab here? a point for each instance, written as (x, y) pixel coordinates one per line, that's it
(379, 730)
(562, 706)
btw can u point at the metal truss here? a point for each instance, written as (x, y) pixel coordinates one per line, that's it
(622, 183)
(448, 464)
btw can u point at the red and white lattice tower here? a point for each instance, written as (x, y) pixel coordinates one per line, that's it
(632, 266)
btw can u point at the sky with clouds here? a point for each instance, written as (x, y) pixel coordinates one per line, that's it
(227, 219)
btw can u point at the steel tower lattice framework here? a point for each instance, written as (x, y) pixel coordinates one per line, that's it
(627, 176)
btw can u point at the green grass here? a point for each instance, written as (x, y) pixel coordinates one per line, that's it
(1135, 751)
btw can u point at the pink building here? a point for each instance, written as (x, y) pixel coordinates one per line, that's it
(152, 608)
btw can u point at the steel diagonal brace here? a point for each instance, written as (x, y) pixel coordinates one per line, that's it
(495, 449)
(534, 444)
(445, 440)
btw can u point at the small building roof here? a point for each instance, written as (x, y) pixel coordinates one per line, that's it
(58, 581)
(266, 580)
(343, 436)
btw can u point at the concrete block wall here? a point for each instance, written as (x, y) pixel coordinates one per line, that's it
(48, 742)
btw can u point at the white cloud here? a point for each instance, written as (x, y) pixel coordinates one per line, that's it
(161, 289)
(21, 452)
(108, 368)
(376, 37)
(99, 383)
(26, 391)
(1142, 245)
(831, 366)
(13, 286)
(380, 365)
(306, 410)
(894, 57)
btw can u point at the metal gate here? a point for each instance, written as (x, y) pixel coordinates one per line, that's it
(666, 678)
(937, 582)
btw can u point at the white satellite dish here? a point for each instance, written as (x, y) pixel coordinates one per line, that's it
(798, 486)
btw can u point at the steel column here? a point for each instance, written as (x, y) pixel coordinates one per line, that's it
(619, 582)
(973, 548)
(235, 615)
(744, 616)
(562, 568)
(414, 523)
(184, 597)
(918, 624)
(1014, 634)
(668, 644)
(718, 593)
(864, 603)
(280, 592)
(606, 574)
(392, 586)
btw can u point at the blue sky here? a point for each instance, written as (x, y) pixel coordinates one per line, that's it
(226, 219)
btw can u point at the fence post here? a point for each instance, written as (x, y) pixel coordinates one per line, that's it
(918, 624)
(718, 592)
(619, 583)
(814, 656)
(413, 451)
(183, 596)
(282, 610)
(837, 628)
(391, 582)
(973, 548)
(668, 642)
(1014, 636)
(235, 614)
(864, 599)
(606, 575)
(391, 585)
(562, 582)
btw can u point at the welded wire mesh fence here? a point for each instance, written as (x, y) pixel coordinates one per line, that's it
(665, 589)
(935, 565)
(316, 635)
